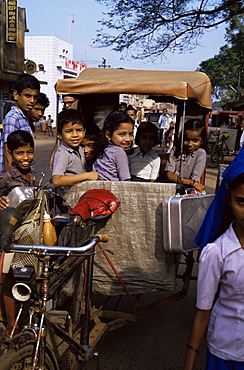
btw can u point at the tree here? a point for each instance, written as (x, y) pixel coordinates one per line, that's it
(226, 70)
(147, 29)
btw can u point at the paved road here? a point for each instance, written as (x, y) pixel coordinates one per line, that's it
(157, 341)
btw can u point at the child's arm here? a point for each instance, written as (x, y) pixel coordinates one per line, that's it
(56, 145)
(7, 158)
(155, 169)
(61, 180)
(122, 165)
(198, 331)
(172, 177)
(61, 175)
(4, 202)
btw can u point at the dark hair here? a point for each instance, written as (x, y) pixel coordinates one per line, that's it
(147, 127)
(18, 139)
(42, 99)
(193, 125)
(111, 123)
(122, 104)
(26, 81)
(69, 115)
(71, 95)
(130, 107)
(228, 216)
(92, 132)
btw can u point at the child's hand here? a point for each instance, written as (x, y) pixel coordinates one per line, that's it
(93, 175)
(4, 202)
(199, 187)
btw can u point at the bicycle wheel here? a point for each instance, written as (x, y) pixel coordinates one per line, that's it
(216, 156)
(22, 359)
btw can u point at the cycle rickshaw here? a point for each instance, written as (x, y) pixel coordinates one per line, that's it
(140, 262)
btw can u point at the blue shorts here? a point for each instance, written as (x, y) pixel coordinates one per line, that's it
(215, 363)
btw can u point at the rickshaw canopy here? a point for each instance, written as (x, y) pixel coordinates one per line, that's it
(181, 85)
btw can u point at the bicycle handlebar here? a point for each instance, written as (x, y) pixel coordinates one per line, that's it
(59, 250)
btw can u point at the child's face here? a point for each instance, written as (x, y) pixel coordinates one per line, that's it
(237, 204)
(192, 140)
(132, 114)
(146, 141)
(23, 156)
(123, 136)
(26, 99)
(72, 134)
(88, 146)
(36, 112)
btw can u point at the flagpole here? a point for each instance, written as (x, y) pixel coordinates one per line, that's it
(71, 16)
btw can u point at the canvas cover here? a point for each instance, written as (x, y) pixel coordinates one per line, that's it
(136, 238)
(181, 85)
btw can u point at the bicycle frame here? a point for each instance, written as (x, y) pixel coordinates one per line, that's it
(51, 283)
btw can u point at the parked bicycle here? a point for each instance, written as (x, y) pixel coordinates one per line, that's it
(31, 349)
(83, 324)
(218, 148)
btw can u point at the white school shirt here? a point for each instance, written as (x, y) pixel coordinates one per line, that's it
(145, 167)
(223, 262)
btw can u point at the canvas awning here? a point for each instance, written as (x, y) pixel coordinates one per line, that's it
(181, 85)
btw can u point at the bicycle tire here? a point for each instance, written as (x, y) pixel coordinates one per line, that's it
(21, 359)
(217, 157)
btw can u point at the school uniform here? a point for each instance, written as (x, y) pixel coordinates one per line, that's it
(190, 166)
(113, 164)
(144, 166)
(222, 262)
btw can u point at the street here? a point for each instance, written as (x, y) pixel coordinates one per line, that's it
(158, 341)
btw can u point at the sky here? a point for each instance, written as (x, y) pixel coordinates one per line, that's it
(53, 18)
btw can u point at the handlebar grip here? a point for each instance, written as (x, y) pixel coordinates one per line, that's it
(104, 238)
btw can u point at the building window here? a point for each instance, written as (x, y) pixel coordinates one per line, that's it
(11, 49)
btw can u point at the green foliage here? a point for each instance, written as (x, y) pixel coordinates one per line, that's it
(147, 29)
(226, 70)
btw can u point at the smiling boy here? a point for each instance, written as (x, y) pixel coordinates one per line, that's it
(69, 160)
(27, 88)
(21, 150)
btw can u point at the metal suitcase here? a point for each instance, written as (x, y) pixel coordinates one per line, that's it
(22, 198)
(182, 218)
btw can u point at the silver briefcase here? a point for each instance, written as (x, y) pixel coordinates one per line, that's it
(22, 197)
(182, 218)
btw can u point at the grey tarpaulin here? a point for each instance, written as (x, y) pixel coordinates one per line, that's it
(136, 238)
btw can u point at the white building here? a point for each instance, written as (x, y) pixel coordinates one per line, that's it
(54, 60)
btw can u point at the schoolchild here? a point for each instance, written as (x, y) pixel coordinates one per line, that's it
(27, 88)
(144, 162)
(132, 112)
(187, 167)
(116, 139)
(69, 160)
(88, 144)
(37, 112)
(222, 264)
(21, 150)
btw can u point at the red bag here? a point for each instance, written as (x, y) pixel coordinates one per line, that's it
(96, 204)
